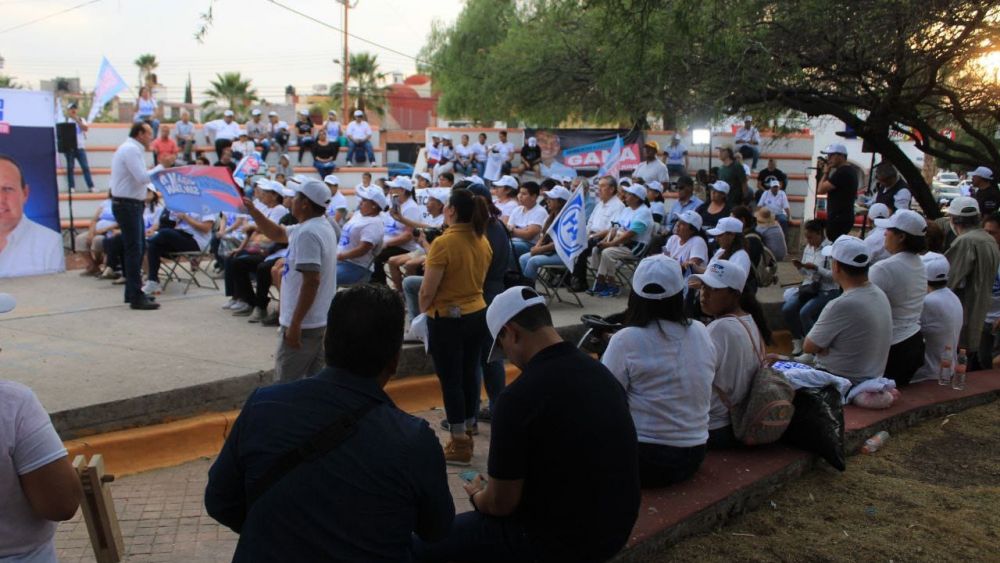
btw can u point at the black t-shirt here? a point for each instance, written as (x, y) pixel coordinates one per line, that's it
(564, 427)
(304, 128)
(989, 200)
(710, 220)
(840, 200)
(531, 154)
(329, 150)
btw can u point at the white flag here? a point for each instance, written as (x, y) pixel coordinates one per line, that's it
(569, 230)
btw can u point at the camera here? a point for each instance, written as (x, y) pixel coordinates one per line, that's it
(431, 234)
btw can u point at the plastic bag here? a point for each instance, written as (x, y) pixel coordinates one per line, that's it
(818, 424)
(873, 400)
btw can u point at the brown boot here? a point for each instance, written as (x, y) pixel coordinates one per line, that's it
(459, 451)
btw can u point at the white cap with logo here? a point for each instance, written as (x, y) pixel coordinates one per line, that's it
(228, 113)
(692, 218)
(331, 179)
(963, 206)
(373, 194)
(910, 222)
(723, 273)
(504, 308)
(401, 182)
(848, 250)
(658, 277)
(936, 266)
(879, 211)
(720, 186)
(359, 113)
(256, 111)
(316, 191)
(726, 225)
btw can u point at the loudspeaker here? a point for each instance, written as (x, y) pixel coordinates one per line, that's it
(66, 137)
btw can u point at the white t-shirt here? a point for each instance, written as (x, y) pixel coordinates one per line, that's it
(312, 247)
(222, 130)
(27, 442)
(463, 152)
(276, 213)
(479, 151)
(199, 237)
(358, 131)
(739, 257)
(604, 214)
(508, 207)
(362, 229)
(152, 217)
(875, 242)
(746, 135)
(521, 218)
(433, 152)
(902, 278)
(737, 360)
(106, 218)
(695, 247)
(777, 203)
(504, 149)
(393, 228)
(941, 325)
(653, 170)
(638, 220)
(856, 328)
(668, 399)
(332, 129)
(337, 202)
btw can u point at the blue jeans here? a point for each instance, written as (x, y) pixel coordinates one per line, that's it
(783, 221)
(81, 156)
(164, 242)
(265, 148)
(324, 168)
(366, 145)
(411, 294)
(465, 169)
(128, 215)
(752, 150)
(530, 264)
(801, 316)
(349, 273)
(475, 536)
(521, 246)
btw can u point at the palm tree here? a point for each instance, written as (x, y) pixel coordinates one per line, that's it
(364, 83)
(231, 90)
(147, 63)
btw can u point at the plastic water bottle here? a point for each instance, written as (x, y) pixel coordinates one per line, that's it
(873, 444)
(945, 374)
(958, 380)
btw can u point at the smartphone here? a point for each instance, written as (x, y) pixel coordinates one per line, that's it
(395, 203)
(468, 476)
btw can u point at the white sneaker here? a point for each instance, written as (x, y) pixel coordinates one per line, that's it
(805, 358)
(152, 288)
(796, 346)
(241, 308)
(410, 337)
(258, 315)
(232, 303)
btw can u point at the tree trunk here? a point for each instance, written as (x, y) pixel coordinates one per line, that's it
(913, 175)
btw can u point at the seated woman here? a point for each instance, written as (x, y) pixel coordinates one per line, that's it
(666, 363)
(770, 232)
(413, 262)
(543, 253)
(242, 263)
(505, 196)
(90, 243)
(324, 153)
(716, 207)
(803, 305)
(626, 240)
(525, 223)
(687, 245)
(738, 343)
(361, 239)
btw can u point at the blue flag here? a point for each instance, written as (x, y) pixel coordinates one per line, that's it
(109, 83)
(569, 230)
(612, 164)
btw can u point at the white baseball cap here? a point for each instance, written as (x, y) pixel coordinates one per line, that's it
(559, 192)
(719, 186)
(506, 181)
(983, 172)
(271, 186)
(272, 114)
(658, 277)
(835, 148)
(287, 192)
(426, 176)
(303, 112)
(936, 266)
(255, 111)
(727, 225)
(373, 193)
(879, 211)
(637, 190)
(723, 273)
(286, 157)
(7, 303)
(848, 250)
(440, 194)
(910, 222)
(475, 179)
(772, 181)
(963, 206)
(316, 191)
(359, 113)
(331, 179)
(748, 118)
(504, 308)
(692, 218)
(332, 112)
(401, 182)
(655, 186)
(532, 142)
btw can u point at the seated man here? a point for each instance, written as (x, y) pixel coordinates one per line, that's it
(626, 240)
(531, 158)
(777, 201)
(255, 249)
(398, 237)
(852, 335)
(574, 498)
(525, 222)
(192, 233)
(431, 223)
(363, 495)
(941, 319)
(605, 212)
(359, 134)
(163, 145)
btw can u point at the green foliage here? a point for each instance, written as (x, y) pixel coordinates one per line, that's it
(230, 90)
(364, 85)
(147, 63)
(8, 82)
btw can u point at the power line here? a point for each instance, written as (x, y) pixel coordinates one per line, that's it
(52, 15)
(335, 28)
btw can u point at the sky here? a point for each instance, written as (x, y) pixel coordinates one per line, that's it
(270, 45)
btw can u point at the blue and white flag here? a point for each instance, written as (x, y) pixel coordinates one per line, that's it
(250, 166)
(613, 162)
(109, 83)
(569, 230)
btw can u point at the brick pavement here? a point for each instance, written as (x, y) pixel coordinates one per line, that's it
(162, 514)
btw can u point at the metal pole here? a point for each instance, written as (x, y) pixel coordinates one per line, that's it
(709, 150)
(346, 67)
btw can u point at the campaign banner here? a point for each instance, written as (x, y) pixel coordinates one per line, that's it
(247, 168)
(109, 84)
(572, 152)
(199, 190)
(30, 239)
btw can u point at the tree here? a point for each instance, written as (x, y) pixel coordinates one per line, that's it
(8, 82)
(147, 63)
(232, 91)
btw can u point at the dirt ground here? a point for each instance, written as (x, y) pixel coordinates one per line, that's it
(932, 494)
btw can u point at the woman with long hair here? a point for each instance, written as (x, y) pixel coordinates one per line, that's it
(451, 295)
(659, 359)
(324, 152)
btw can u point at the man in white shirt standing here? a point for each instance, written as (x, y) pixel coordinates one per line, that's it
(309, 279)
(224, 131)
(747, 141)
(651, 168)
(26, 248)
(359, 133)
(129, 177)
(606, 211)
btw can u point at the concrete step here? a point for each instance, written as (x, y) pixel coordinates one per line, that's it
(101, 156)
(115, 133)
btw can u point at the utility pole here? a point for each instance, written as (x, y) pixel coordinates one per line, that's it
(346, 62)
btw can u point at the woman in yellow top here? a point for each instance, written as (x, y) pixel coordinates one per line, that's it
(451, 295)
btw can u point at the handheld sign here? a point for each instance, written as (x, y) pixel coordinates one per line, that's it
(198, 190)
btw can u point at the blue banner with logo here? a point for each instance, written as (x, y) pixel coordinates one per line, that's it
(198, 190)
(569, 230)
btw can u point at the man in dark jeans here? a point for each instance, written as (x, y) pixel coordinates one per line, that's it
(563, 469)
(363, 499)
(128, 193)
(840, 184)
